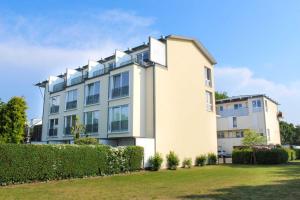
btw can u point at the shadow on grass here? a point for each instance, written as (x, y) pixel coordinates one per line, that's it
(283, 189)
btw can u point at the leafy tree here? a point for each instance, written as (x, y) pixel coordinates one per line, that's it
(251, 138)
(221, 95)
(77, 129)
(289, 133)
(13, 120)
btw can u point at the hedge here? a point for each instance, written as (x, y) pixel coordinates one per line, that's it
(26, 163)
(297, 153)
(260, 156)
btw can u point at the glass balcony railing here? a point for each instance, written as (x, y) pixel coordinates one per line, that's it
(120, 92)
(233, 112)
(91, 128)
(52, 132)
(54, 109)
(58, 87)
(92, 99)
(71, 105)
(76, 80)
(119, 126)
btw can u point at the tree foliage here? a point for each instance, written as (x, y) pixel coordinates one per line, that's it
(290, 134)
(12, 120)
(251, 138)
(221, 95)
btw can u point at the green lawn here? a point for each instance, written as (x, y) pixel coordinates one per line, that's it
(210, 182)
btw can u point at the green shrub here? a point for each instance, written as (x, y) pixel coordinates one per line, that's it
(187, 163)
(297, 151)
(260, 156)
(86, 140)
(155, 162)
(212, 159)
(26, 163)
(200, 160)
(172, 160)
(242, 156)
(291, 153)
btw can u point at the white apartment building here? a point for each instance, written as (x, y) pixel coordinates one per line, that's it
(253, 112)
(158, 95)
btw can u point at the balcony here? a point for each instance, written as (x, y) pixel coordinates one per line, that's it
(233, 112)
(76, 80)
(91, 128)
(54, 109)
(119, 126)
(99, 72)
(120, 92)
(71, 105)
(58, 87)
(52, 132)
(92, 99)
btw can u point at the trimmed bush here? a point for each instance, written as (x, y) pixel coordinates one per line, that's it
(200, 160)
(260, 156)
(27, 163)
(86, 140)
(172, 160)
(187, 163)
(155, 162)
(242, 156)
(212, 159)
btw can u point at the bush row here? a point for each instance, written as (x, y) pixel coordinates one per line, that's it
(172, 159)
(262, 156)
(27, 163)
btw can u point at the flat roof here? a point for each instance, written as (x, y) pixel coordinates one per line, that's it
(244, 98)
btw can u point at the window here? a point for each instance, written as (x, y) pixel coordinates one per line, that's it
(256, 103)
(112, 65)
(209, 101)
(71, 99)
(221, 135)
(92, 93)
(237, 106)
(268, 135)
(266, 105)
(53, 126)
(54, 105)
(234, 122)
(239, 134)
(207, 73)
(69, 122)
(142, 57)
(119, 85)
(118, 118)
(91, 120)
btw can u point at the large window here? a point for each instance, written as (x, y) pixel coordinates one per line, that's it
(91, 120)
(237, 106)
(209, 101)
(207, 76)
(92, 93)
(71, 99)
(69, 122)
(118, 118)
(53, 126)
(142, 57)
(256, 105)
(54, 104)
(119, 85)
(234, 122)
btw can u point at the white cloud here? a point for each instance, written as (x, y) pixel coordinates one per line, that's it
(241, 80)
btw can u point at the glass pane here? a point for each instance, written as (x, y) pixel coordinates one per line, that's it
(97, 88)
(125, 79)
(254, 104)
(124, 114)
(146, 56)
(258, 103)
(95, 117)
(116, 114)
(117, 81)
(88, 117)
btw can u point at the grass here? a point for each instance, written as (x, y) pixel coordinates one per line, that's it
(209, 182)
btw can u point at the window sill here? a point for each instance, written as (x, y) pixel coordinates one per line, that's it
(70, 110)
(119, 132)
(57, 113)
(119, 98)
(92, 104)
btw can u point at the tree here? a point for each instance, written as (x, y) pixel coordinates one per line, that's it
(251, 138)
(221, 95)
(13, 120)
(77, 129)
(289, 133)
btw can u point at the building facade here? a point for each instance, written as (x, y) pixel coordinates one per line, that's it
(250, 112)
(158, 95)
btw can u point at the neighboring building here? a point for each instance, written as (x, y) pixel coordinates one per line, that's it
(35, 133)
(158, 95)
(253, 112)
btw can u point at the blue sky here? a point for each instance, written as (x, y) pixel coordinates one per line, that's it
(256, 43)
